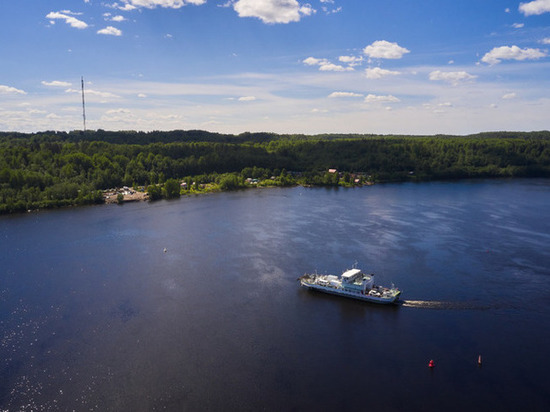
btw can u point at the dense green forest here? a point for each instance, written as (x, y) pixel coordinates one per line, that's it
(52, 169)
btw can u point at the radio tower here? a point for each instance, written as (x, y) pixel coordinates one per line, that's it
(83, 104)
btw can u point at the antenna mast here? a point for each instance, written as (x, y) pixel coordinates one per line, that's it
(83, 104)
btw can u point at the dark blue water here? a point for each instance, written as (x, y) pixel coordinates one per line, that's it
(94, 315)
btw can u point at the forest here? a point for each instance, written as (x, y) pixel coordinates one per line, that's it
(55, 169)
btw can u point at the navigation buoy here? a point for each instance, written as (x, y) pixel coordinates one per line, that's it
(479, 360)
(431, 364)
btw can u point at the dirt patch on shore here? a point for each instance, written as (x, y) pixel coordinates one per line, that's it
(128, 197)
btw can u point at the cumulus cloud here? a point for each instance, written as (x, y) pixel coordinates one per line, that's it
(382, 49)
(273, 11)
(378, 73)
(10, 90)
(373, 98)
(110, 31)
(56, 83)
(69, 18)
(151, 4)
(497, 54)
(535, 7)
(451, 77)
(545, 40)
(344, 94)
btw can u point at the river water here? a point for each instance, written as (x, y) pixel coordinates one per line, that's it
(95, 314)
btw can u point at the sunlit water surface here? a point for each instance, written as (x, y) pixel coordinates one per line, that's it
(95, 315)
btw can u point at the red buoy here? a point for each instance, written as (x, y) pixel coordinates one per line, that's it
(431, 364)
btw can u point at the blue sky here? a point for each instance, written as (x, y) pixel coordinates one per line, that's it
(284, 66)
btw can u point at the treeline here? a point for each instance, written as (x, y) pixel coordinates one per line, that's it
(52, 169)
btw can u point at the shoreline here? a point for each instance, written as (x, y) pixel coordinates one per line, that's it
(110, 195)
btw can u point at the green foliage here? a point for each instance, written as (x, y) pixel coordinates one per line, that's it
(154, 192)
(231, 181)
(55, 169)
(171, 189)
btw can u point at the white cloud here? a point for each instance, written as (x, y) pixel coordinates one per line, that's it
(56, 83)
(272, 11)
(325, 65)
(313, 61)
(110, 31)
(151, 4)
(382, 49)
(70, 20)
(535, 7)
(142, 95)
(117, 18)
(509, 96)
(247, 99)
(378, 73)
(331, 67)
(329, 10)
(545, 40)
(451, 77)
(344, 94)
(372, 98)
(10, 90)
(518, 25)
(307, 10)
(73, 13)
(497, 54)
(117, 111)
(351, 60)
(92, 92)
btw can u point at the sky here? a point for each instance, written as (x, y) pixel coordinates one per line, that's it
(283, 66)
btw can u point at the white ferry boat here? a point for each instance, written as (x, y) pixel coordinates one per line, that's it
(352, 284)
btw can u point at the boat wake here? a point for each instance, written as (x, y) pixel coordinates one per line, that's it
(444, 305)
